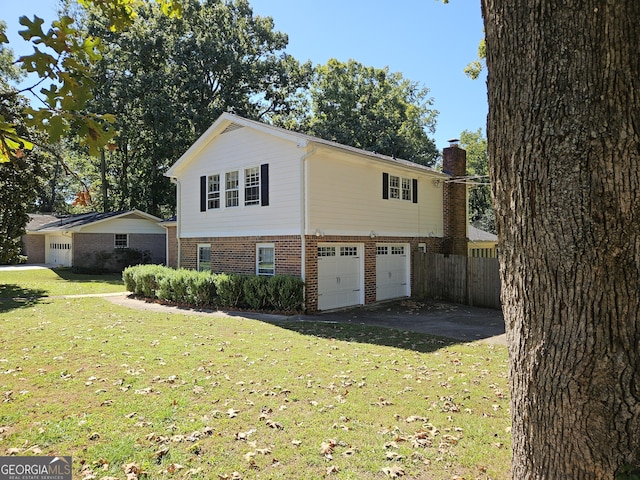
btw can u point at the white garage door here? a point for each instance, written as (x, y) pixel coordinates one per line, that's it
(339, 276)
(59, 248)
(392, 271)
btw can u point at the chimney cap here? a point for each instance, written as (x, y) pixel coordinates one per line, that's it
(453, 142)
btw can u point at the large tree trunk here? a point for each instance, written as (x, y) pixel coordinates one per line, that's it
(563, 133)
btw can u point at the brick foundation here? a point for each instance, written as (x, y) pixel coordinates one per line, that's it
(238, 255)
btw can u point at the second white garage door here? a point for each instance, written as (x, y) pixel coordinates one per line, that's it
(392, 271)
(339, 275)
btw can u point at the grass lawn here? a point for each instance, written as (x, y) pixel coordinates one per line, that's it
(135, 392)
(53, 282)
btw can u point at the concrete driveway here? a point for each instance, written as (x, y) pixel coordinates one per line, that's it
(460, 322)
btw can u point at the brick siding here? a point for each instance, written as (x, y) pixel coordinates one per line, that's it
(34, 248)
(87, 245)
(172, 246)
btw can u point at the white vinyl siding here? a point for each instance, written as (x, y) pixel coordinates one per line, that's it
(345, 198)
(236, 151)
(127, 224)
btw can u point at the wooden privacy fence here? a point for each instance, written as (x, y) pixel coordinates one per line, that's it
(458, 279)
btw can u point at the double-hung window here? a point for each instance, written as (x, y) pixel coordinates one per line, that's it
(121, 240)
(232, 189)
(243, 187)
(406, 189)
(400, 188)
(213, 191)
(394, 186)
(252, 186)
(265, 259)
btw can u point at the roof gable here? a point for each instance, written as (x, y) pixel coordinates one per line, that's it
(49, 223)
(228, 122)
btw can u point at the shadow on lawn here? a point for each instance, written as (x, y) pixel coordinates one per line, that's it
(383, 336)
(14, 296)
(70, 276)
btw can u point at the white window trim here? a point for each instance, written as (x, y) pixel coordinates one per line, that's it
(237, 190)
(403, 191)
(255, 201)
(265, 245)
(214, 195)
(115, 240)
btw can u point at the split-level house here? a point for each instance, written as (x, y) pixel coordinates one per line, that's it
(257, 199)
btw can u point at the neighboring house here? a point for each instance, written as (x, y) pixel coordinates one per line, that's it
(257, 199)
(482, 244)
(90, 239)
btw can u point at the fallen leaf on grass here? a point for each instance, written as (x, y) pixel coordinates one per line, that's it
(326, 448)
(244, 435)
(160, 453)
(133, 468)
(274, 425)
(393, 471)
(332, 469)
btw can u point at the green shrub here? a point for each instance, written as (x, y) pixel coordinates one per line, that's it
(229, 287)
(142, 279)
(255, 289)
(286, 293)
(128, 277)
(199, 289)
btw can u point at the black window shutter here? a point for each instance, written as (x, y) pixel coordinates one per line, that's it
(203, 194)
(414, 187)
(264, 184)
(385, 186)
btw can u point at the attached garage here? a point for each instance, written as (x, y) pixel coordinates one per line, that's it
(58, 250)
(392, 271)
(340, 275)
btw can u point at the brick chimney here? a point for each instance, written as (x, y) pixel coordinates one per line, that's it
(454, 163)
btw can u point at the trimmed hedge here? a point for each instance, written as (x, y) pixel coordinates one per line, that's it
(221, 290)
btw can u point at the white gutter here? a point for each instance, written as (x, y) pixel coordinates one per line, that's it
(178, 222)
(304, 206)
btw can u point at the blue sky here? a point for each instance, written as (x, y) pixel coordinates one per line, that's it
(425, 40)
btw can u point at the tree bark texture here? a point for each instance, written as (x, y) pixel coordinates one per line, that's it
(564, 151)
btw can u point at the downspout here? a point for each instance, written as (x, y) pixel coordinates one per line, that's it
(178, 222)
(304, 207)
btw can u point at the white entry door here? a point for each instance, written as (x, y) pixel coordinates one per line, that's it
(392, 271)
(59, 250)
(339, 275)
